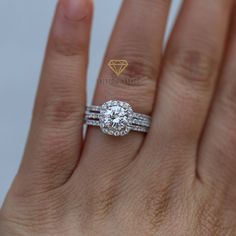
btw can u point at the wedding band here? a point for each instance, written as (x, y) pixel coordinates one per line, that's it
(117, 118)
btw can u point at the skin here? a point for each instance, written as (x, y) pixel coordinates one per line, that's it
(180, 178)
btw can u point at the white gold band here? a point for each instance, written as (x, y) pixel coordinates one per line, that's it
(116, 118)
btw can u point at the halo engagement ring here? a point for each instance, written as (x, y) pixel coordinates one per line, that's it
(117, 118)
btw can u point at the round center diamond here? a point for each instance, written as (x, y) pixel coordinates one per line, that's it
(116, 118)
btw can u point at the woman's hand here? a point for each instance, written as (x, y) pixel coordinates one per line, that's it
(180, 179)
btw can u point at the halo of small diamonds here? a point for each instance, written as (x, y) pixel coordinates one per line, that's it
(116, 118)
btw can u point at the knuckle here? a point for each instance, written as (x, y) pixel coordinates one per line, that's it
(60, 107)
(136, 84)
(104, 201)
(157, 205)
(68, 48)
(138, 69)
(195, 66)
(67, 45)
(209, 220)
(61, 111)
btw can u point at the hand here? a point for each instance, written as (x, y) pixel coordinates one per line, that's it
(180, 179)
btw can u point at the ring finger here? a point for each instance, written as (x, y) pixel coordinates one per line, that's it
(138, 40)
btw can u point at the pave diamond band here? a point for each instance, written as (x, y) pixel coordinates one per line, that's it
(117, 118)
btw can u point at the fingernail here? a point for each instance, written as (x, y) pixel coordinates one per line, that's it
(75, 10)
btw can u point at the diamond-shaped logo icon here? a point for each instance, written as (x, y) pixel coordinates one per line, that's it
(118, 66)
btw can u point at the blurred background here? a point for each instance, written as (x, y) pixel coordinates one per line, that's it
(24, 28)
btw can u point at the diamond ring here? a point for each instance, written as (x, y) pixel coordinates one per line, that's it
(117, 118)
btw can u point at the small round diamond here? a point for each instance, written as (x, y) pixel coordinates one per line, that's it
(116, 118)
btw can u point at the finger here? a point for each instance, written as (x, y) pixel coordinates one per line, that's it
(190, 69)
(137, 38)
(55, 138)
(217, 160)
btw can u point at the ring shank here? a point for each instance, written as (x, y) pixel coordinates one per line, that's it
(140, 122)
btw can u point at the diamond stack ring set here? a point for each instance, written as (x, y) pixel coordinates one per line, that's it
(117, 118)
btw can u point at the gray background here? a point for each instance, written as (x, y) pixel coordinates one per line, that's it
(24, 26)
